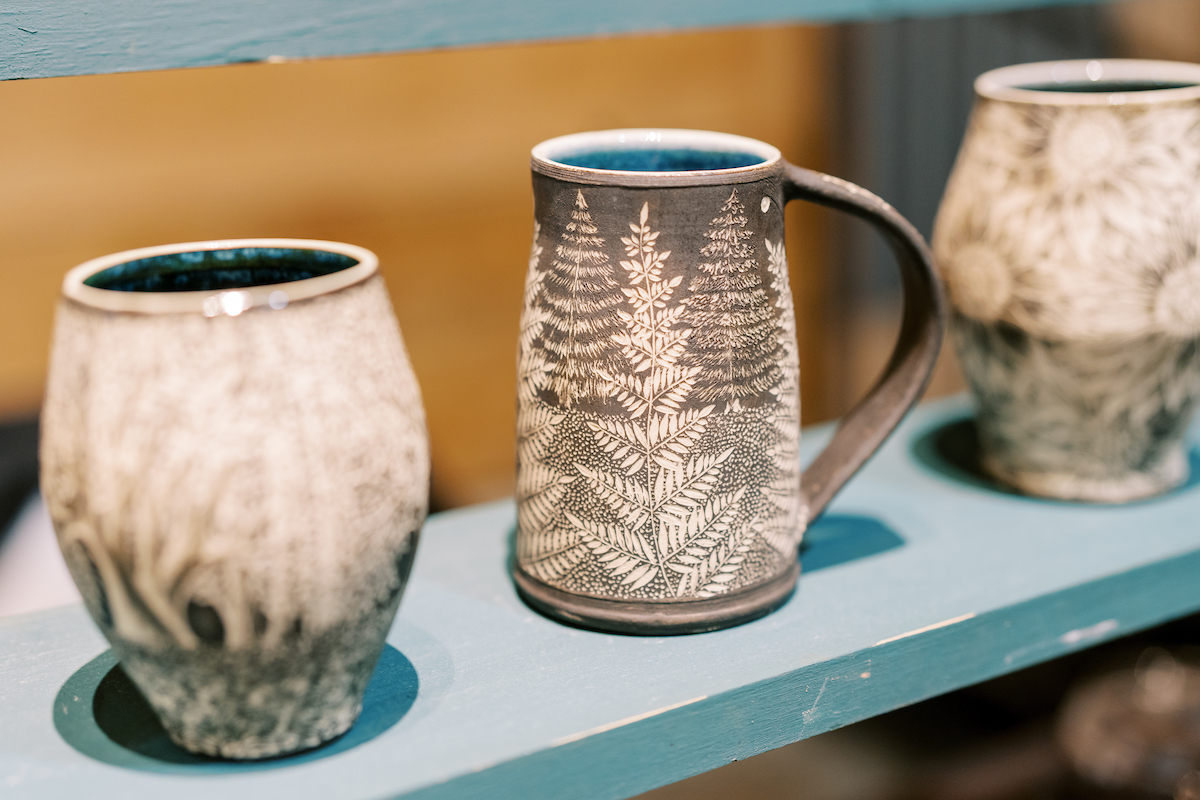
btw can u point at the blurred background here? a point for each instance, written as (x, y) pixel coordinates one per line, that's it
(423, 158)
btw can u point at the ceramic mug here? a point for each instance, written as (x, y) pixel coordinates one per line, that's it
(1069, 241)
(235, 460)
(658, 483)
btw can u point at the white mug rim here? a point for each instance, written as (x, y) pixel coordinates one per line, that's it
(1008, 83)
(545, 156)
(231, 301)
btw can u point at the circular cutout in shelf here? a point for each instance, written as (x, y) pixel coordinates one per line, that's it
(952, 450)
(100, 713)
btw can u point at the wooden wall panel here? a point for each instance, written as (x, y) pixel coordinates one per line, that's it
(420, 157)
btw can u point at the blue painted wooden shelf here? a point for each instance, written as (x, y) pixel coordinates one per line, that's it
(47, 38)
(922, 578)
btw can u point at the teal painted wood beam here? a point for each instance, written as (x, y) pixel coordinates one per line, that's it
(49, 38)
(921, 580)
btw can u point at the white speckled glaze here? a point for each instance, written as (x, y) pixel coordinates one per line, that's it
(238, 491)
(1069, 242)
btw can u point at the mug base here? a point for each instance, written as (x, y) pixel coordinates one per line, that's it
(1171, 474)
(650, 618)
(256, 703)
(258, 748)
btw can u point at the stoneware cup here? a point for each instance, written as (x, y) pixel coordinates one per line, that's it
(235, 459)
(1068, 239)
(659, 486)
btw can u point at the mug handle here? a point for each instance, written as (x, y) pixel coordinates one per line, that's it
(861, 432)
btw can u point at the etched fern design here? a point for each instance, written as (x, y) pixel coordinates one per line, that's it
(669, 521)
(735, 347)
(553, 547)
(649, 480)
(533, 368)
(785, 512)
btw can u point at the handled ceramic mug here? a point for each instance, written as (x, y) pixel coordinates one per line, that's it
(235, 460)
(658, 483)
(1069, 239)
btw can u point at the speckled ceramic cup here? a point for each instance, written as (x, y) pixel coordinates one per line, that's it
(235, 459)
(1069, 241)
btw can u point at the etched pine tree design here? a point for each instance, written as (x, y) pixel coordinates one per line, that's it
(580, 298)
(735, 345)
(533, 368)
(668, 521)
(784, 509)
(781, 285)
(551, 547)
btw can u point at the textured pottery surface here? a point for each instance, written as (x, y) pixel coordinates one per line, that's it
(658, 391)
(1069, 241)
(238, 495)
(659, 488)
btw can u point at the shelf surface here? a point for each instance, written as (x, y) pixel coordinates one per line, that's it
(48, 38)
(920, 580)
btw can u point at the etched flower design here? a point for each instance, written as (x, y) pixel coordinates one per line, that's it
(1091, 176)
(980, 284)
(1177, 304)
(1086, 199)
(984, 278)
(1085, 150)
(1174, 290)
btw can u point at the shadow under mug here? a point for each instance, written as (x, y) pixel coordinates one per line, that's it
(658, 485)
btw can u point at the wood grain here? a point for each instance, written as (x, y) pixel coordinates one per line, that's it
(975, 583)
(422, 158)
(47, 38)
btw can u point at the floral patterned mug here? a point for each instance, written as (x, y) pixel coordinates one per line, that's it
(1069, 240)
(659, 486)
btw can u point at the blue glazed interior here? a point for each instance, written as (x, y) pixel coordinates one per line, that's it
(1105, 87)
(674, 159)
(217, 270)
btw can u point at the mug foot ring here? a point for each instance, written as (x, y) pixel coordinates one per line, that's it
(650, 618)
